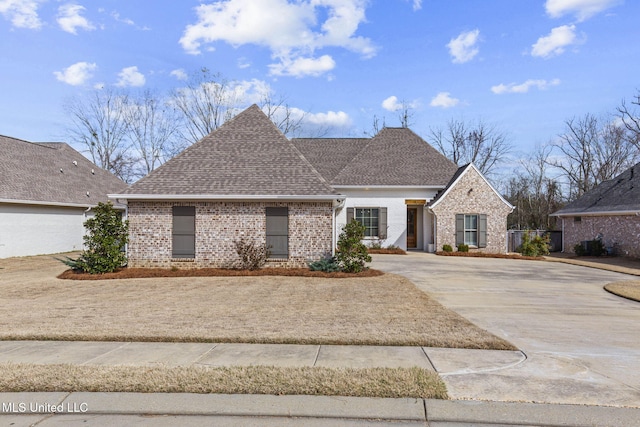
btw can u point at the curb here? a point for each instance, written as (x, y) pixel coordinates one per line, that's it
(317, 407)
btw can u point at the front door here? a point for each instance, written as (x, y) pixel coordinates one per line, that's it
(412, 228)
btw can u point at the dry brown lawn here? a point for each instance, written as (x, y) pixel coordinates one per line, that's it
(370, 382)
(628, 289)
(383, 310)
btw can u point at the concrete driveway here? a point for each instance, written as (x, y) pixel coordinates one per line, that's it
(582, 343)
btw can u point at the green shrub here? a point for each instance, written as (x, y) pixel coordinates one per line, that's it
(593, 248)
(447, 248)
(328, 264)
(538, 246)
(352, 253)
(252, 256)
(104, 242)
(376, 244)
(463, 248)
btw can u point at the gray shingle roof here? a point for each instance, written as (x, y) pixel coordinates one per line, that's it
(247, 155)
(45, 172)
(620, 194)
(330, 155)
(397, 156)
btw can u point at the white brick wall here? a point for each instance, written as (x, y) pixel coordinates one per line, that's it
(218, 225)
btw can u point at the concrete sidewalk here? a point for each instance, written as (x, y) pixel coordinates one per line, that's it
(441, 360)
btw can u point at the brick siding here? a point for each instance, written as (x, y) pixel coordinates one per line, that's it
(218, 225)
(621, 232)
(472, 195)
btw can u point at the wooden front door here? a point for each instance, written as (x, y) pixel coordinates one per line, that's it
(412, 228)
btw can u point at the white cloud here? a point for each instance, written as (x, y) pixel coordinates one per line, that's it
(76, 74)
(582, 9)
(463, 48)
(21, 13)
(417, 4)
(116, 15)
(130, 76)
(524, 87)
(179, 74)
(334, 119)
(444, 100)
(291, 30)
(300, 67)
(555, 43)
(70, 20)
(391, 104)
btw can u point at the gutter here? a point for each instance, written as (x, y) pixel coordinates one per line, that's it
(44, 203)
(213, 197)
(635, 212)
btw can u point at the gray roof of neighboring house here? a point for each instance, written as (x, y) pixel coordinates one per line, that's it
(330, 155)
(395, 156)
(620, 194)
(46, 173)
(246, 156)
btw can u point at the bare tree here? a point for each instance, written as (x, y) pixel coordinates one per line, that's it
(286, 118)
(153, 130)
(98, 124)
(406, 114)
(483, 144)
(591, 151)
(534, 193)
(630, 116)
(206, 102)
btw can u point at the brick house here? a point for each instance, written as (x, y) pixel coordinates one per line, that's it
(471, 211)
(47, 192)
(610, 211)
(247, 180)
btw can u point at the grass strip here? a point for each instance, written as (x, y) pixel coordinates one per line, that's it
(627, 289)
(368, 382)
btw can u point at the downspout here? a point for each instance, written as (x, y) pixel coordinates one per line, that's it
(562, 234)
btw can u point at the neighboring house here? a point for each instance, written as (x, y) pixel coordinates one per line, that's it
(610, 211)
(247, 180)
(46, 192)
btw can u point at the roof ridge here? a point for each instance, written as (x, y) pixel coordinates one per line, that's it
(348, 164)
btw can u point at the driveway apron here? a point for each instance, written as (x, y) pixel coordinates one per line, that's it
(582, 344)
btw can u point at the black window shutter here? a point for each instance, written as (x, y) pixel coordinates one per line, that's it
(482, 231)
(350, 214)
(382, 223)
(459, 229)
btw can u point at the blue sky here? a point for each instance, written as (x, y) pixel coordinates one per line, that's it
(525, 66)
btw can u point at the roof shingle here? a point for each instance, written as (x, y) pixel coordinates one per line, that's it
(620, 194)
(247, 156)
(396, 156)
(52, 173)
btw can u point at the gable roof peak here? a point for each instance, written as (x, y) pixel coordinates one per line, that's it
(247, 156)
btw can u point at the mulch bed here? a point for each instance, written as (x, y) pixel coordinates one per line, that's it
(395, 251)
(142, 273)
(487, 255)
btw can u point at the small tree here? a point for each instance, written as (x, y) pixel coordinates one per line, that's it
(352, 253)
(252, 255)
(104, 242)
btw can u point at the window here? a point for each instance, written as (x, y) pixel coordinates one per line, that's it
(278, 232)
(471, 229)
(369, 218)
(577, 219)
(184, 232)
(373, 219)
